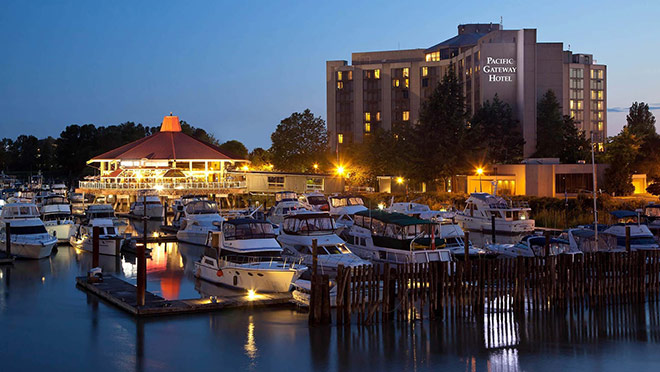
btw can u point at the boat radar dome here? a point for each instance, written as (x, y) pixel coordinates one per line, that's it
(170, 124)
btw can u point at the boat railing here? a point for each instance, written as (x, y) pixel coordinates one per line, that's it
(272, 261)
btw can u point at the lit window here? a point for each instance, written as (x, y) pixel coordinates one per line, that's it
(573, 113)
(594, 94)
(600, 94)
(339, 75)
(367, 116)
(600, 105)
(600, 125)
(432, 57)
(377, 73)
(601, 74)
(340, 138)
(406, 72)
(571, 104)
(601, 148)
(600, 115)
(367, 127)
(407, 83)
(350, 75)
(395, 83)
(406, 115)
(425, 71)
(340, 85)
(579, 105)
(378, 116)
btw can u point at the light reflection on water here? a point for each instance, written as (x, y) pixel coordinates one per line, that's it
(46, 323)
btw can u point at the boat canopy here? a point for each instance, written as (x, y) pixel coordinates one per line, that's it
(201, 207)
(346, 200)
(394, 218)
(623, 214)
(308, 223)
(247, 228)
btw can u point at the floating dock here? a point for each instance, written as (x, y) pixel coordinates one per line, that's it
(123, 295)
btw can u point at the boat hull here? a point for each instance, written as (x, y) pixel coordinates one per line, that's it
(192, 237)
(108, 247)
(63, 232)
(246, 278)
(29, 250)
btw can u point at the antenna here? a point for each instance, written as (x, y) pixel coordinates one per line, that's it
(501, 22)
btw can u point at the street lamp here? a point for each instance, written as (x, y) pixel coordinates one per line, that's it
(340, 170)
(480, 171)
(399, 180)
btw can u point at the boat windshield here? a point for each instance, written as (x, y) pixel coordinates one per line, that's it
(19, 211)
(309, 225)
(346, 201)
(201, 207)
(27, 230)
(256, 230)
(56, 216)
(419, 208)
(653, 211)
(285, 195)
(334, 249)
(104, 214)
(316, 200)
(54, 200)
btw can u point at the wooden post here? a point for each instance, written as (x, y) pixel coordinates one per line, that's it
(165, 212)
(142, 260)
(546, 247)
(315, 257)
(96, 231)
(8, 238)
(492, 227)
(340, 284)
(326, 317)
(628, 239)
(467, 246)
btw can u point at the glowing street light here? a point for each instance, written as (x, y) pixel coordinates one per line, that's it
(340, 170)
(480, 171)
(245, 168)
(316, 166)
(399, 180)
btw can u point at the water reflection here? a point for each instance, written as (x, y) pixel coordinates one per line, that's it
(250, 345)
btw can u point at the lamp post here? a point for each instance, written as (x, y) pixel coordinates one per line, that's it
(480, 171)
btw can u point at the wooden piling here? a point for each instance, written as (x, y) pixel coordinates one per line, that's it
(96, 231)
(627, 238)
(492, 228)
(466, 244)
(8, 238)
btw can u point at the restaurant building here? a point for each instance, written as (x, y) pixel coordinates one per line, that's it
(381, 89)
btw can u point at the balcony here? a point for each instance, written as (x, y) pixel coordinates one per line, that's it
(161, 186)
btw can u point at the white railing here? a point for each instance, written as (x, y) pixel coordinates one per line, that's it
(100, 185)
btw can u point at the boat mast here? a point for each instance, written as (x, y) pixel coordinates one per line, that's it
(593, 172)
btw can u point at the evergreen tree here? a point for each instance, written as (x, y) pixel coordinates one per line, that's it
(549, 123)
(575, 146)
(495, 134)
(621, 153)
(641, 121)
(438, 139)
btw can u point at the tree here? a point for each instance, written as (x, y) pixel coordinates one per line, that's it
(549, 123)
(654, 188)
(621, 153)
(641, 121)
(235, 148)
(575, 146)
(438, 139)
(299, 141)
(496, 134)
(260, 158)
(198, 133)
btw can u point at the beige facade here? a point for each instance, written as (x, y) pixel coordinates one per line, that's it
(271, 182)
(381, 89)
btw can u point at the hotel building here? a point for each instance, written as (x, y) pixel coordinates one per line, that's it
(380, 89)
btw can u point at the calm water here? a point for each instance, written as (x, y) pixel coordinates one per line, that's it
(46, 323)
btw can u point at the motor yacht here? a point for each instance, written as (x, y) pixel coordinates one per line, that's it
(417, 210)
(641, 237)
(104, 211)
(298, 232)
(29, 238)
(315, 201)
(510, 221)
(454, 240)
(110, 241)
(584, 240)
(286, 203)
(533, 246)
(395, 238)
(154, 208)
(59, 189)
(201, 219)
(651, 214)
(245, 255)
(56, 214)
(345, 205)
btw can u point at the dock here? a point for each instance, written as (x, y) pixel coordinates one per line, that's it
(123, 295)
(5, 258)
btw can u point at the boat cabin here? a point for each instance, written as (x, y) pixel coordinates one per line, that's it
(345, 201)
(19, 211)
(247, 228)
(397, 230)
(285, 196)
(486, 205)
(308, 223)
(201, 207)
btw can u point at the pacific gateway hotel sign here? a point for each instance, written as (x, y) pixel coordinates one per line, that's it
(500, 69)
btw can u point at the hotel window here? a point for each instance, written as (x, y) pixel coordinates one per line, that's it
(600, 105)
(350, 75)
(367, 127)
(395, 83)
(425, 71)
(600, 94)
(377, 73)
(425, 82)
(406, 72)
(600, 115)
(406, 115)
(433, 57)
(339, 75)
(601, 147)
(600, 125)
(340, 138)
(571, 104)
(340, 85)
(407, 84)
(367, 116)
(579, 104)
(378, 116)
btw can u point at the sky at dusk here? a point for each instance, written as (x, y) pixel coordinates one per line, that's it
(237, 68)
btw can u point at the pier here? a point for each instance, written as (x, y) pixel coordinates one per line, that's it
(124, 295)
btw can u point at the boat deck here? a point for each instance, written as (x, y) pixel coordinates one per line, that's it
(123, 295)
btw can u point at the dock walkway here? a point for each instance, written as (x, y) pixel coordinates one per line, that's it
(123, 295)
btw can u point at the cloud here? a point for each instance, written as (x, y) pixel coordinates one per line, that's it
(652, 107)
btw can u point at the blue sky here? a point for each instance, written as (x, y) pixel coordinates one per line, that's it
(237, 68)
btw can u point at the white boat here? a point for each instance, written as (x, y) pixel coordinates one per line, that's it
(315, 201)
(287, 203)
(584, 240)
(510, 221)
(59, 189)
(641, 237)
(299, 230)
(105, 211)
(29, 238)
(178, 207)
(651, 213)
(345, 205)
(394, 238)
(453, 239)
(201, 219)
(109, 240)
(245, 255)
(533, 246)
(154, 207)
(56, 214)
(417, 210)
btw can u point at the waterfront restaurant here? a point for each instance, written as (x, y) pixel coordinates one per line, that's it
(170, 162)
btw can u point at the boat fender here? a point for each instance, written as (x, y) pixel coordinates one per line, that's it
(219, 273)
